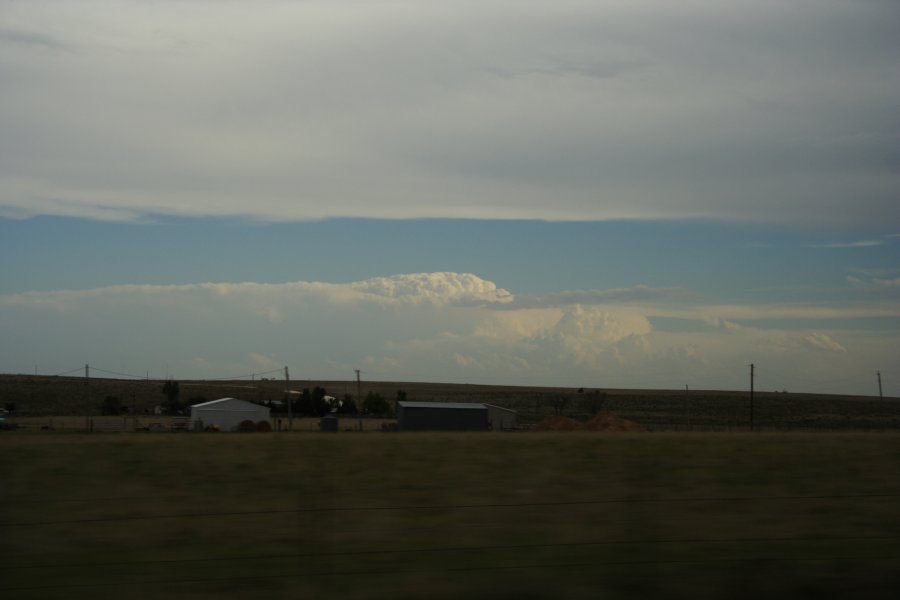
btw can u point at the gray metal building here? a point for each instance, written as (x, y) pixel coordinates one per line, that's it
(227, 413)
(452, 416)
(501, 419)
(441, 416)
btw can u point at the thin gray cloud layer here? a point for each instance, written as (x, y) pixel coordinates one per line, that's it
(772, 111)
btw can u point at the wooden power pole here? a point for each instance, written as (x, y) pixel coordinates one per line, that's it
(687, 405)
(359, 402)
(752, 369)
(87, 398)
(287, 395)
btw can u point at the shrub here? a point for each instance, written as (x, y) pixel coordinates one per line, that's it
(111, 406)
(375, 404)
(263, 426)
(247, 426)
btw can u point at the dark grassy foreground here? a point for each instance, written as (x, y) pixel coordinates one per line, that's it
(443, 515)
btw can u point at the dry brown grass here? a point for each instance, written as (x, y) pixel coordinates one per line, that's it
(602, 422)
(495, 515)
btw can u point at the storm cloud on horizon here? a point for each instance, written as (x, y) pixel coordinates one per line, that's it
(427, 326)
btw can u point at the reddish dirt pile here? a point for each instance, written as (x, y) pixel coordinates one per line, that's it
(557, 424)
(601, 422)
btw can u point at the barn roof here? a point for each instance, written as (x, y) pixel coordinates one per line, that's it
(454, 405)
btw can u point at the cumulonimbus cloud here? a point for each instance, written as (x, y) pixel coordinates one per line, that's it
(424, 326)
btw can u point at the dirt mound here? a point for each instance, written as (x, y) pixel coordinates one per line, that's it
(557, 424)
(608, 422)
(601, 422)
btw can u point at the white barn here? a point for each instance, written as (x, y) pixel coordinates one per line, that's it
(226, 414)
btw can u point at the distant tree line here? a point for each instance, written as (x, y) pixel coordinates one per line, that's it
(313, 402)
(317, 403)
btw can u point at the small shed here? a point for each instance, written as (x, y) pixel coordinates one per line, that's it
(441, 416)
(329, 422)
(226, 413)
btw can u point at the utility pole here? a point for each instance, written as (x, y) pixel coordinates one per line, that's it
(287, 395)
(880, 395)
(87, 398)
(358, 399)
(752, 369)
(687, 405)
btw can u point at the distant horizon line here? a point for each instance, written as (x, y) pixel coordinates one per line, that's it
(579, 390)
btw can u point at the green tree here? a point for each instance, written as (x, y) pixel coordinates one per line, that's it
(312, 403)
(348, 405)
(111, 406)
(375, 404)
(172, 391)
(302, 402)
(319, 405)
(185, 407)
(401, 397)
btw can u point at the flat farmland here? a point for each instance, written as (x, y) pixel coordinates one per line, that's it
(514, 515)
(42, 400)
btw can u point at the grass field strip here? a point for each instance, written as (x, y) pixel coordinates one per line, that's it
(493, 505)
(445, 516)
(513, 567)
(760, 540)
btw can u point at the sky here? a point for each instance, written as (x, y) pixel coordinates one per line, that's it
(639, 194)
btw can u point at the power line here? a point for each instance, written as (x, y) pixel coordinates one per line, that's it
(752, 369)
(68, 372)
(120, 374)
(132, 375)
(250, 376)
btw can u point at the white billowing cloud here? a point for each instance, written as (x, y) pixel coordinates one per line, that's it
(436, 287)
(491, 109)
(823, 342)
(571, 334)
(596, 323)
(425, 327)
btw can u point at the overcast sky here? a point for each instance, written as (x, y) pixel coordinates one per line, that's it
(663, 191)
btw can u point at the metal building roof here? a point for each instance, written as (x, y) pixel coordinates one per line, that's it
(500, 408)
(212, 403)
(455, 405)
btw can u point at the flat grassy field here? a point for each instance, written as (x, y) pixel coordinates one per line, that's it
(493, 515)
(48, 398)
